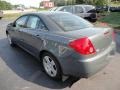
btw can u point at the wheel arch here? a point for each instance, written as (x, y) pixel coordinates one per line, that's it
(46, 51)
(7, 32)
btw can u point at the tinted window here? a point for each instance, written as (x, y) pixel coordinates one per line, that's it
(78, 9)
(21, 21)
(33, 22)
(70, 22)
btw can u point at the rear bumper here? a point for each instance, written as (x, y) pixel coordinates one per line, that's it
(92, 67)
(92, 16)
(88, 67)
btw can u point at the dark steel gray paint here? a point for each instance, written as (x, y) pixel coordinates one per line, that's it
(55, 41)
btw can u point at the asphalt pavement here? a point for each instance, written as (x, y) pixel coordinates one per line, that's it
(21, 71)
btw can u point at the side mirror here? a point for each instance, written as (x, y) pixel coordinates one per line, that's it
(12, 24)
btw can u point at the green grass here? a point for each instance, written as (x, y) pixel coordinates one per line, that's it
(113, 19)
(42, 9)
(11, 16)
(16, 15)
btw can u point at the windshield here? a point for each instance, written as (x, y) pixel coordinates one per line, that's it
(70, 22)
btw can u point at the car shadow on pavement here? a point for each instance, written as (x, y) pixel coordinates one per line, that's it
(28, 68)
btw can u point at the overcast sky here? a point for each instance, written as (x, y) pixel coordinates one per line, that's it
(27, 3)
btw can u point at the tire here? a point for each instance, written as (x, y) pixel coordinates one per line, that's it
(0, 18)
(10, 41)
(90, 19)
(51, 66)
(93, 20)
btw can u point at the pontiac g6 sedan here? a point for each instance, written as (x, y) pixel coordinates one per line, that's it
(64, 43)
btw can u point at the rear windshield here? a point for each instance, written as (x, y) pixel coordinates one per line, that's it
(90, 8)
(70, 22)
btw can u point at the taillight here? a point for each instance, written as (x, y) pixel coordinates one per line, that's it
(83, 46)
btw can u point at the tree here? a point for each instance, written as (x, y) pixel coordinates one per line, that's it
(41, 4)
(63, 2)
(5, 5)
(59, 2)
(94, 2)
(102, 2)
(79, 1)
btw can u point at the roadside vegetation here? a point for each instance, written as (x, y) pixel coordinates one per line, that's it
(112, 19)
(42, 9)
(71, 2)
(16, 15)
(11, 16)
(115, 4)
(5, 5)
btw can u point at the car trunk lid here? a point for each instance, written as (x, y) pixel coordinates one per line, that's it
(101, 38)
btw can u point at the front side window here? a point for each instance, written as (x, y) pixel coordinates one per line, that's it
(21, 21)
(70, 22)
(33, 22)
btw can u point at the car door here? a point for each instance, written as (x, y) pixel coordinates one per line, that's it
(32, 35)
(79, 11)
(17, 27)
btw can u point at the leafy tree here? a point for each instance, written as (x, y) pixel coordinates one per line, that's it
(5, 5)
(92, 2)
(95, 2)
(59, 2)
(79, 1)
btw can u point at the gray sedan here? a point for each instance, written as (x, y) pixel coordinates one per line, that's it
(64, 43)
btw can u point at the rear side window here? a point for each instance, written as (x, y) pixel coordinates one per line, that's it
(33, 22)
(21, 21)
(78, 9)
(67, 9)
